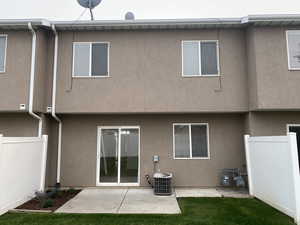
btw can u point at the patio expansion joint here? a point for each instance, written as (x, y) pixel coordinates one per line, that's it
(123, 199)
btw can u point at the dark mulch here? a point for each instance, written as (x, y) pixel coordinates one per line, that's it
(59, 199)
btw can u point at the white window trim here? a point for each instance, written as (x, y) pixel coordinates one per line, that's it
(90, 66)
(5, 52)
(200, 66)
(287, 47)
(190, 139)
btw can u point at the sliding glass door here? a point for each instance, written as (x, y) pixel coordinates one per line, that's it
(118, 156)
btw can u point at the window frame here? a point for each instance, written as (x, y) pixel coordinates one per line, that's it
(200, 66)
(190, 142)
(90, 66)
(5, 51)
(287, 48)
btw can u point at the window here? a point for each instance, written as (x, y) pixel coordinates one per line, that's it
(90, 59)
(200, 58)
(293, 49)
(191, 141)
(3, 45)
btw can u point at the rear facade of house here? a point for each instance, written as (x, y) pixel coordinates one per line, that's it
(126, 91)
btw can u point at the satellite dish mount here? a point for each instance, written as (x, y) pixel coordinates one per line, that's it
(89, 4)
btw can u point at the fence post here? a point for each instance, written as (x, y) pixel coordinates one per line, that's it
(44, 162)
(1, 158)
(248, 162)
(295, 164)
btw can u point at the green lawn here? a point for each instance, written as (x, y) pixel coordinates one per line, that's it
(202, 211)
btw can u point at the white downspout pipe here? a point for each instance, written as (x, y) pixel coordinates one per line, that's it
(54, 105)
(32, 79)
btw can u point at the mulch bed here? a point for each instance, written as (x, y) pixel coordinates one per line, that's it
(59, 199)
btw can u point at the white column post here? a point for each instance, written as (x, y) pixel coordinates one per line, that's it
(44, 162)
(296, 175)
(1, 169)
(248, 162)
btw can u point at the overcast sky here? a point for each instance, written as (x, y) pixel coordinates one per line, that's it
(145, 9)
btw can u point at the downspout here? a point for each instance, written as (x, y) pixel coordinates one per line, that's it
(32, 79)
(53, 110)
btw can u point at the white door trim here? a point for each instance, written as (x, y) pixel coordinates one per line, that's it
(98, 156)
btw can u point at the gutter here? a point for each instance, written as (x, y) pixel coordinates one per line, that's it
(53, 109)
(32, 79)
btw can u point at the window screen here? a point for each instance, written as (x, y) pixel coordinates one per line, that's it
(2, 53)
(191, 58)
(199, 141)
(90, 59)
(99, 59)
(200, 58)
(293, 38)
(191, 141)
(209, 60)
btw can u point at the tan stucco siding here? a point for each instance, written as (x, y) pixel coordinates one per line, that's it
(271, 123)
(80, 147)
(146, 74)
(14, 83)
(277, 87)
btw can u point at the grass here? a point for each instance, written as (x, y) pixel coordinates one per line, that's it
(200, 211)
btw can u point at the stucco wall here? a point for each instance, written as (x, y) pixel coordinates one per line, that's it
(146, 74)
(271, 123)
(14, 83)
(276, 87)
(80, 147)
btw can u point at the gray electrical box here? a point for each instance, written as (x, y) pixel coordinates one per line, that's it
(156, 158)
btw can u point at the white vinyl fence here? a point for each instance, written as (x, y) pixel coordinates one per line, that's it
(22, 169)
(273, 172)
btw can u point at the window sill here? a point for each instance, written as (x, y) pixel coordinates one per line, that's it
(89, 77)
(294, 69)
(195, 158)
(200, 76)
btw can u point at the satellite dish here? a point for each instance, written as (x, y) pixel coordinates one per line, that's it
(89, 4)
(129, 16)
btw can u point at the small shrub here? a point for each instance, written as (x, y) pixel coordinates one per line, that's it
(72, 191)
(48, 203)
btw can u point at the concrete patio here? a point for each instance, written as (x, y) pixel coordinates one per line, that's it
(121, 201)
(139, 200)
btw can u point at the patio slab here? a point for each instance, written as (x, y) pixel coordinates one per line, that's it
(233, 193)
(95, 201)
(143, 201)
(211, 192)
(197, 192)
(120, 201)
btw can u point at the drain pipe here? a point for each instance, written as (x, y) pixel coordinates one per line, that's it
(32, 78)
(54, 107)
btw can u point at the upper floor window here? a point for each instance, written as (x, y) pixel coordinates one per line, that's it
(90, 59)
(200, 58)
(3, 45)
(293, 47)
(191, 141)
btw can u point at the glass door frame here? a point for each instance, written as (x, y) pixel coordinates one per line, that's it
(119, 128)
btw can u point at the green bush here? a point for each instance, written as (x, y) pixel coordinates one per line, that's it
(72, 191)
(48, 203)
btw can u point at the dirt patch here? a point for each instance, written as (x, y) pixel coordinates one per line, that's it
(57, 200)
